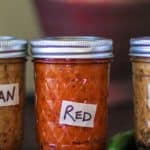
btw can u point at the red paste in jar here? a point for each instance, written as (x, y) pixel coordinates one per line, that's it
(83, 81)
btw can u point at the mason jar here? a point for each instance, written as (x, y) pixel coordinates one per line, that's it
(12, 91)
(71, 89)
(140, 58)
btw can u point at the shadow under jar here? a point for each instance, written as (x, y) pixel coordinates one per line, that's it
(140, 58)
(71, 89)
(12, 91)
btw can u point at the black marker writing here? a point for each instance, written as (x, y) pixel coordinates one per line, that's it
(69, 108)
(9, 95)
(76, 115)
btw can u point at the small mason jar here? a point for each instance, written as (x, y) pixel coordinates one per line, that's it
(140, 58)
(71, 89)
(12, 91)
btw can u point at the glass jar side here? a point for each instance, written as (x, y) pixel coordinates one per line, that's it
(141, 88)
(12, 97)
(75, 81)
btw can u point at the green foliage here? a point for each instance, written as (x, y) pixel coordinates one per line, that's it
(122, 141)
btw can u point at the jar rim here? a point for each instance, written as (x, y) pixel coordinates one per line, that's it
(72, 47)
(140, 46)
(11, 47)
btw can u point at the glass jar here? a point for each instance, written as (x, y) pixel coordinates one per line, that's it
(71, 89)
(140, 58)
(12, 91)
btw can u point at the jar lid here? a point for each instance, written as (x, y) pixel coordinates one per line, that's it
(140, 47)
(72, 47)
(11, 47)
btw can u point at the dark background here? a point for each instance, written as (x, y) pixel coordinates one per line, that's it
(119, 21)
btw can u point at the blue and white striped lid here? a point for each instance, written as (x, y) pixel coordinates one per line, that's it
(72, 47)
(11, 47)
(140, 47)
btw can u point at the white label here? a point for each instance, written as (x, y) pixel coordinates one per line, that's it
(148, 124)
(9, 94)
(77, 114)
(149, 95)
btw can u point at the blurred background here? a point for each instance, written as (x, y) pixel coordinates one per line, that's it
(19, 18)
(116, 19)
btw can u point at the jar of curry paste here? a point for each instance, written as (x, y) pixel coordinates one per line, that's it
(12, 91)
(71, 89)
(140, 57)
